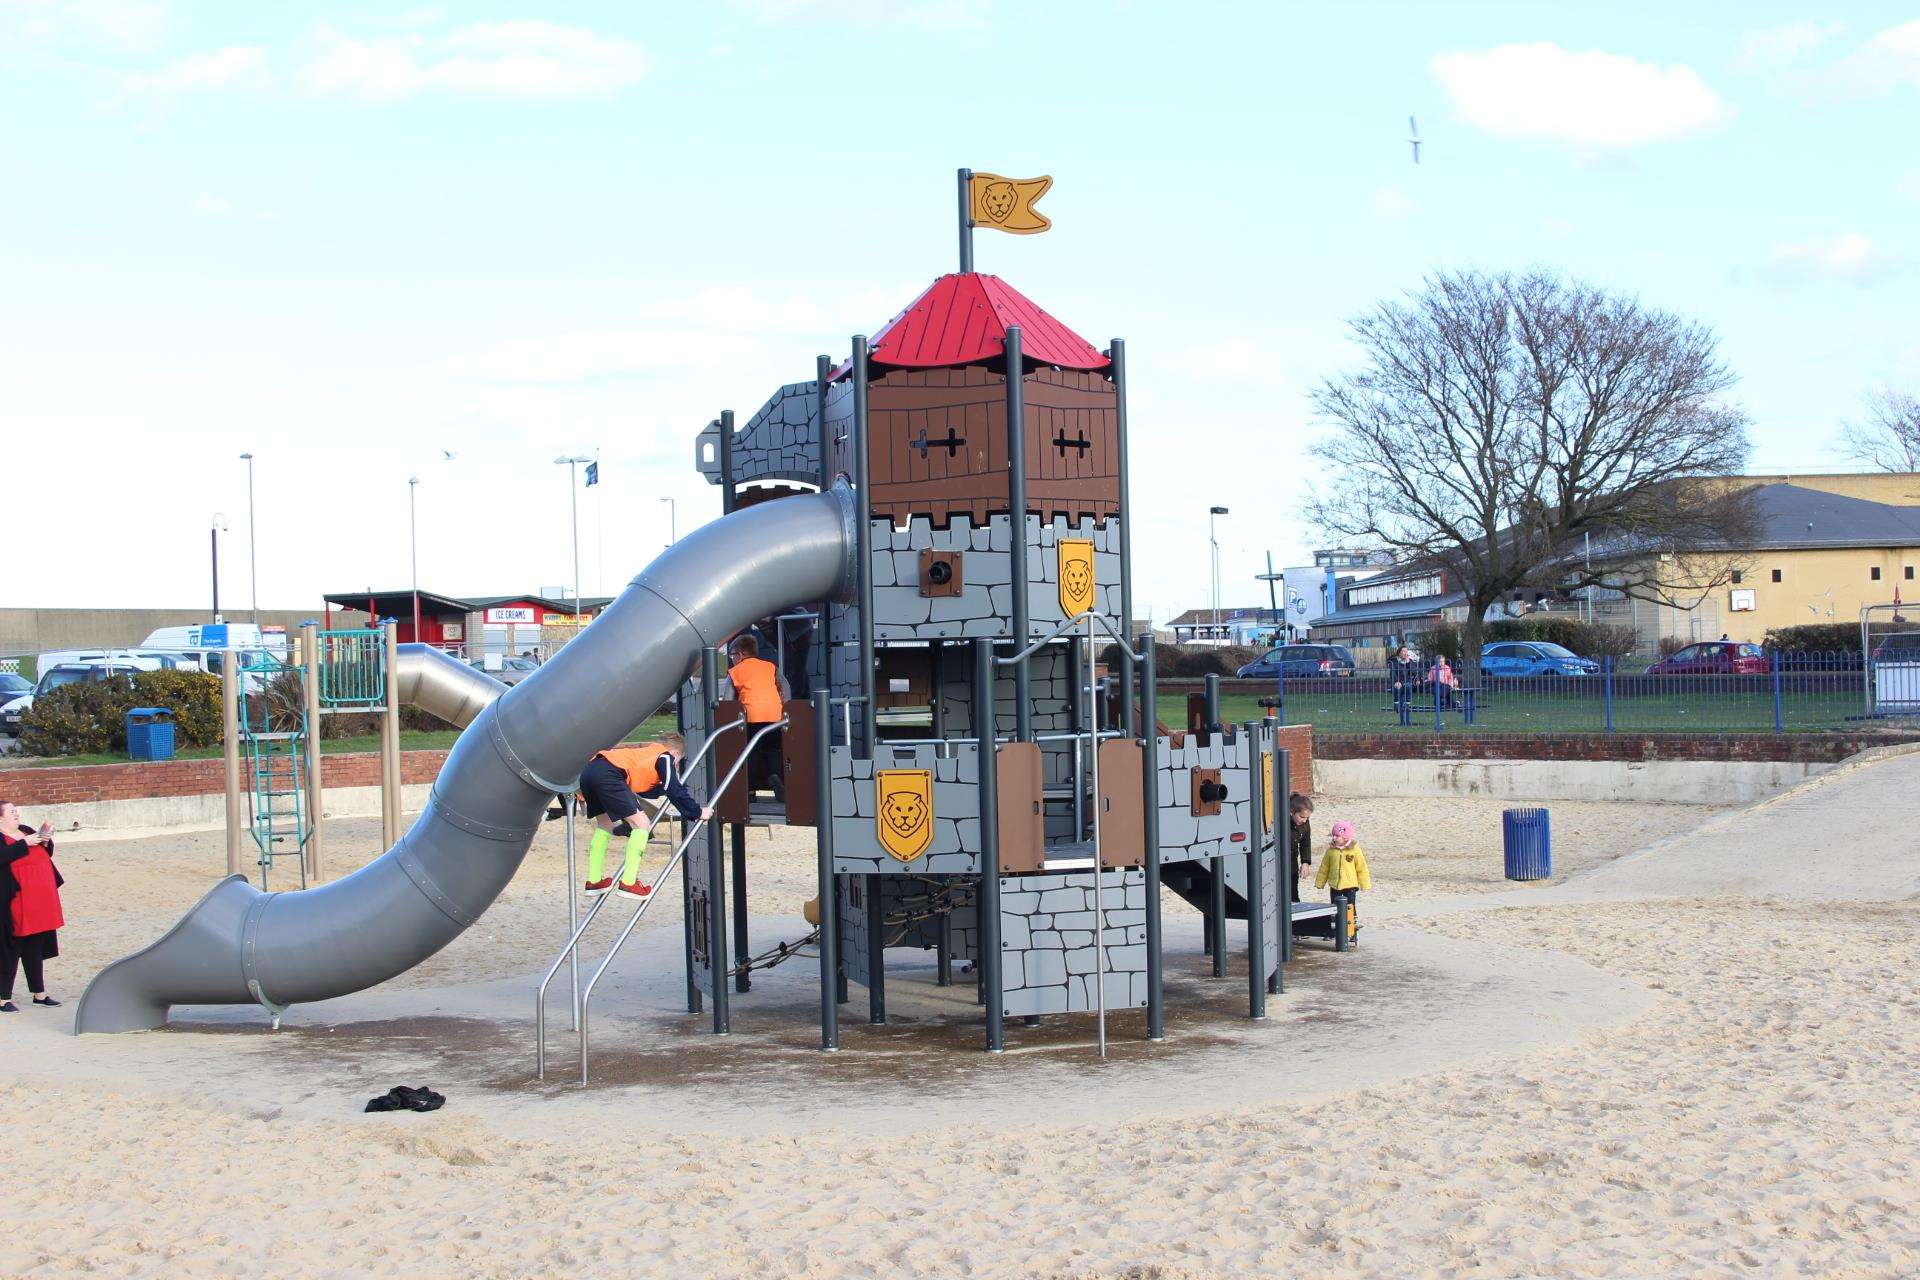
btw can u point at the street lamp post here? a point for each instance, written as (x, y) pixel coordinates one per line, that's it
(1213, 542)
(413, 550)
(673, 521)
(213, 537)
(253, 552)
(573, 461)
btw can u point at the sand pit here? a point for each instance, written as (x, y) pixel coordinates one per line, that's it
(1498, 1083)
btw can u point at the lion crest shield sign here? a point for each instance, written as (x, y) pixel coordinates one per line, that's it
(903, 805)
(1076, 576)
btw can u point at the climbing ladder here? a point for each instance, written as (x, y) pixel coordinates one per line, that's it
(275, 761)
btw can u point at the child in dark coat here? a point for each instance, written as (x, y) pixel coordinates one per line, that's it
(1300, 836)
(29, 907)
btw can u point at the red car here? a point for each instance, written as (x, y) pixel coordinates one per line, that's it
(1714, 658)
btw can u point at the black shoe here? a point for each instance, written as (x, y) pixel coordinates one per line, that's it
(46, 1002)
(8, 1006)
(556, 813)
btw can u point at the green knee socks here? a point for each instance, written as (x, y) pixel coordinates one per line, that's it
(636, 845)
(597, 855)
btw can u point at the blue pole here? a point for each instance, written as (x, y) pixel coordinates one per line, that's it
(1280, 697)
(1779, 718)
(1439, 724)
(1606, 673)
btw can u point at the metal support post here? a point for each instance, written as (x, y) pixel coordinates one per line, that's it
(573, 902)
(1779, 702)
(966, 220)
(1257, 846)
(988, 961)
(1214, 728)
(1606, 674)
(1017, 526)
(743, 981)
(726, 462)
(310, 693)
(694, 1000)
(876, 954)
(1217, 914)
(863, 514)
(390, 734)
(1340, 925)
(1150, 785)
(1283, 848)
(1117, 355)
(823, 852)
(943, 951)
(716, 852)
(230, 732)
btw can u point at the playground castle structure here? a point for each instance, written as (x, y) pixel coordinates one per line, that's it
(949, 508)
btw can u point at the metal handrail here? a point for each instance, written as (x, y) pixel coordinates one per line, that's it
(1066, 625)
(573, 940)
(693, 829)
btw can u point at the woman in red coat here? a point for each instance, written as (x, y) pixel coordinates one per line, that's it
(30, 910)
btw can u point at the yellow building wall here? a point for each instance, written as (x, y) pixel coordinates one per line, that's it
(1816, 587)
(1896, 488)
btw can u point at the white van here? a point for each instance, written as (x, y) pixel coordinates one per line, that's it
(53, 676)
(200, 644)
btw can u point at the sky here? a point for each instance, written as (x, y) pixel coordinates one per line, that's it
(354, 240)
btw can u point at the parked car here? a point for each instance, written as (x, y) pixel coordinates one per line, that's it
(1714, 658)
(1533, 658)
(1299, 662)
(13, 685)
(507, 670)
(1902, 646)
(71, 673)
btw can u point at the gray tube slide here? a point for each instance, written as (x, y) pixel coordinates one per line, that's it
(242, 946)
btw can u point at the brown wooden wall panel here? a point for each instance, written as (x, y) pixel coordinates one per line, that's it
(800, 764)
(1023, 824)
(732, 802)
(938, 444)
(1123, 823)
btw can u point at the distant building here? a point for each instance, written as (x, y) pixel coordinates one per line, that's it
(1311, 592)
(1241, 626)
(1376, 614)
(479, 627)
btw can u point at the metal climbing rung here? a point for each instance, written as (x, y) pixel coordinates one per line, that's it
(693, 829)
(580, 929)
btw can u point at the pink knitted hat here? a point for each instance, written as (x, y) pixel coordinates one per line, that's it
(1342, 831)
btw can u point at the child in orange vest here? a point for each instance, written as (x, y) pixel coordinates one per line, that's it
(613, 784)
(1343, 872)
(762, 691)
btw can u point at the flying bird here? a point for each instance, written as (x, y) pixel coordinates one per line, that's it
(1414, 141)
(447, 455)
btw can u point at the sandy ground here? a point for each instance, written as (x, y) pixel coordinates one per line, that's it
(1710, 1078)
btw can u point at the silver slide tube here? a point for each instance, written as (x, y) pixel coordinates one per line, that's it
(242, 946)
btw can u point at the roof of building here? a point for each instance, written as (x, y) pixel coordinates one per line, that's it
(1392, 610)
(1205, 617)
(1795, 517)
(394, 603)
(963, 319)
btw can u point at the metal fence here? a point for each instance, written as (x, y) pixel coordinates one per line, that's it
(1781, 693)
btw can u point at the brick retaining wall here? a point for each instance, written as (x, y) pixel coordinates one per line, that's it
(90, 783)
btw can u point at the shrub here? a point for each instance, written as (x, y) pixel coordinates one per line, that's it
(1828, 637)
(76, 719)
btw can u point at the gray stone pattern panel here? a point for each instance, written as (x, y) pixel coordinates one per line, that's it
(1184, 837)
(902, 896)
(1048, 941)
(955, 849)
(781, 441)
(984, 606)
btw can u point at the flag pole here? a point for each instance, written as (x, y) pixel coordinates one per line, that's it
(966, 220)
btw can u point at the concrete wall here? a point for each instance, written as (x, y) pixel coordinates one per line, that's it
(24, 631)
(1727, 782)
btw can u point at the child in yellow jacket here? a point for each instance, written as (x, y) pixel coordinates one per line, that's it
(1343, 872)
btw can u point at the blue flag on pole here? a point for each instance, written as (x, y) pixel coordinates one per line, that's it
(593, 473)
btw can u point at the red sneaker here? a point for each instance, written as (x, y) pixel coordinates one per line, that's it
(636, 889)
(594, 888)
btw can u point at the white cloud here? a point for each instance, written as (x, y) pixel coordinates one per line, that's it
(1889, 60)
(925, 15)
(1392, 202)
(210, 205)
(1593, 100)
(1776, 47)
(523, 59)
(233, 67)
(128, 24)
(1852, 256)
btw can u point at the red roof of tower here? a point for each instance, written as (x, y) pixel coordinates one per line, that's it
(963, 319)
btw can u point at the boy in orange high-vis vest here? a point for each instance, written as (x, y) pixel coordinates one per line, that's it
(762, 691)
(613, 785)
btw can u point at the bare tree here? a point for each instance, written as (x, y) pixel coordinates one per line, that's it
(1534, 432)
(1888, 439)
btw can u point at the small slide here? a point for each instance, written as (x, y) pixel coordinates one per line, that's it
(521, 747)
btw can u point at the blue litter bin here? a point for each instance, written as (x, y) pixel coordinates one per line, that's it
(150, 733)
(1529, 844)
